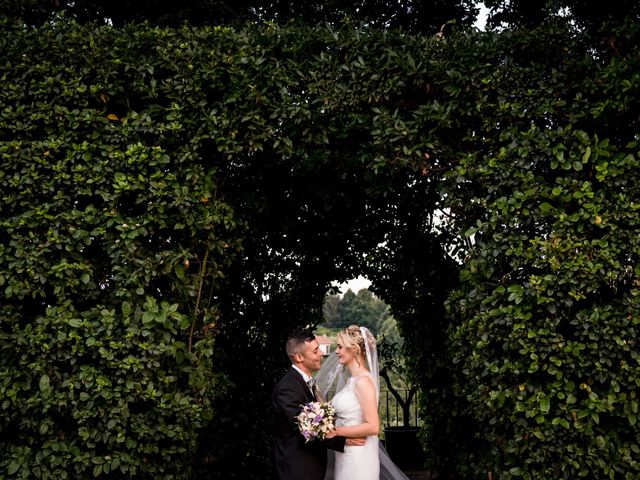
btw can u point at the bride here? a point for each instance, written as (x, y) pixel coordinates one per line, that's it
(356, 405)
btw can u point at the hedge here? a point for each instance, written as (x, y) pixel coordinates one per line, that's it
(107, 222)
(175, 201)
(545, 324)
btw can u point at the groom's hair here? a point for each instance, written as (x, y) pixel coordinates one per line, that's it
(296, 341)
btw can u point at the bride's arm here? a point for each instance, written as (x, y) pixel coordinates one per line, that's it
(366, 394)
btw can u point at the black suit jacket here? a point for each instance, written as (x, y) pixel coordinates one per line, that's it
(295, 459)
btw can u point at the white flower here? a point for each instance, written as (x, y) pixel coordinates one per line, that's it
(315, 420)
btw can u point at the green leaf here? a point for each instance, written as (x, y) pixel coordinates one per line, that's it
(75, 322)
(44, 383)
(183, 321)
(545, 404)
(14, 466)
(545, 207)
(582, 136)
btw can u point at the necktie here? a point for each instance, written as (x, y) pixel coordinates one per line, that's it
(314, 389)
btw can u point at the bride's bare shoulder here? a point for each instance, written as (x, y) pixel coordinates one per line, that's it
(364, 378)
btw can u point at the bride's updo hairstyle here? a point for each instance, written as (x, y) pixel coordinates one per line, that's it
(351, 338)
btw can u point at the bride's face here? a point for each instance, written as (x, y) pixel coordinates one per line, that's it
(345, 355)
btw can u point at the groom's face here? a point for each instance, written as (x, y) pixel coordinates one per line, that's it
(311, 356)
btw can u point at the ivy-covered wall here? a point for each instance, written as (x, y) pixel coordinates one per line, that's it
(174, 202)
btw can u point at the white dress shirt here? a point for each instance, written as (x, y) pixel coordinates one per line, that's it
(305, 377)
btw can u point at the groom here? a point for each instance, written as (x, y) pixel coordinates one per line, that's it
(295, 459)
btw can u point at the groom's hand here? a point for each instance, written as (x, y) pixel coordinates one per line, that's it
(355, 442)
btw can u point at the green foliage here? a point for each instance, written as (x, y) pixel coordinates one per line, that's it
(363, 309)
(389, 331)
(423, 16)
(174, 202)
(547, 316)
(107, 216)
(589, 14)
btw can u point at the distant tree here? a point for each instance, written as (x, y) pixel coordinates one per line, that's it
(374, 310)
(347, 310)
(330, 309)
(394, 371)
(389, 331)
(363, 309)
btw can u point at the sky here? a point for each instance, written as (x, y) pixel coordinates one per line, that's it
(355, 284)
(482, 17)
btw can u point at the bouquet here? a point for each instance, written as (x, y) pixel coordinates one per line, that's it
(315, 420)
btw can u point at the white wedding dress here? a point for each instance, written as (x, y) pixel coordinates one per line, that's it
(356, 463)
(368, 462)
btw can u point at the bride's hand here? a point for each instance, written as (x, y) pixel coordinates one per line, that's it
(355, 442)
(333, 433)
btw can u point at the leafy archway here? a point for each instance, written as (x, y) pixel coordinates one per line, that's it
(176, 201)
